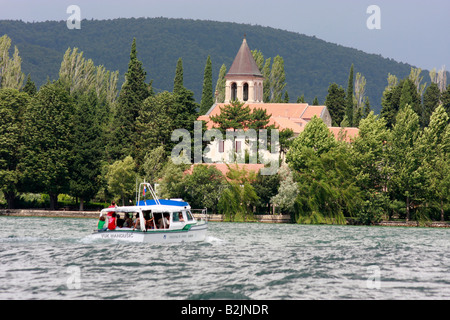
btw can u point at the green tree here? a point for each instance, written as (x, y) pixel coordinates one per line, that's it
(266, 187)
(220, 85)
(207, 93)
(233, 116)
(184, 111)
(315, 101)
(409, 96)
(77, 74)
(389, 105)
(204, 187)
(121, 179)
(48, 143)
(178, 82)
(287, 191)
(367, 108)
(445, 99)
(259, 119)
(316, 137)
(154, 163)
(277, 80)
(259, 58)
(11, 75)
(286, 97)
(171, 184)
(359, 99)
(12, 108)
(368, 154)
(30, 87)
(397, 95)
(175, 111)
(405, 178)
(327, 189)
(369, 161)
(267, 84)
(239, 197)
(434, 149)
(349, 106)
(88, 151)
(155, 111)
(132, 94)
(336, 103)
(431, 99)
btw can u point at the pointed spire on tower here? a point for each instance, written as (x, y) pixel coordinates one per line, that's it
(244, 64)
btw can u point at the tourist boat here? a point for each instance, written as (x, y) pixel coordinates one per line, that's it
(156, 221)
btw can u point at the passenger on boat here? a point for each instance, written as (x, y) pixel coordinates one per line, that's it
(180, 217)
(120, 221)
(164, 221)
(101, 224)
(128, 222)
(137, 223)
(149, 224)
(113, 205)
(112, 222)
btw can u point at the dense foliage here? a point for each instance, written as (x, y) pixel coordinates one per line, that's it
(81, 136)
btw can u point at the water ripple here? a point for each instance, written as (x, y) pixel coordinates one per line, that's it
(44, 258)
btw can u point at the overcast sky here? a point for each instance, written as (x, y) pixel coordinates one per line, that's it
(412, 31)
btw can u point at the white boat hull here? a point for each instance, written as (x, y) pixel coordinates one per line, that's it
(195, 233)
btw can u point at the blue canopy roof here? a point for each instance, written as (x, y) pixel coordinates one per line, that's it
(163, 202)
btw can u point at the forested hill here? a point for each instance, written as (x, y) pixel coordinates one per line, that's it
(311, 64)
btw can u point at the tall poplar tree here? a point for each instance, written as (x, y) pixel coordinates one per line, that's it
(207, 94)
(11, 75)
(277, 80)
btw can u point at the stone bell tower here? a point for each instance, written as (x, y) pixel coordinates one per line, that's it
(244, 81)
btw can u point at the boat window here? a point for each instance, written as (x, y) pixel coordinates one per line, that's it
(176, 217)
(147, 214)
(189, 216)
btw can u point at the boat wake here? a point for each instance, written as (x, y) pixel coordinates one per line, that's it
(214, 240)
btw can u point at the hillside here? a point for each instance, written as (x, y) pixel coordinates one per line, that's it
(311, 64)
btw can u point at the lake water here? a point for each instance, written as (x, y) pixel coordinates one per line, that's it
(50, 258)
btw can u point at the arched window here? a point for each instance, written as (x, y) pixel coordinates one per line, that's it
(245, 93)
(233, 91)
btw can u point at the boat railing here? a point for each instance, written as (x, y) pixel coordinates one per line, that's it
(201, 214)
(150, 190)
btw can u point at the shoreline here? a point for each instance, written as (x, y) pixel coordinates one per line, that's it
(211, 217)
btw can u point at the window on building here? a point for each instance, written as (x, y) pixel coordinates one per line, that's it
(245, 97)
(233, 91)
(238, 146)
(221, 146)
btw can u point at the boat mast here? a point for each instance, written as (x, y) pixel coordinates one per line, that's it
(152, 192)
